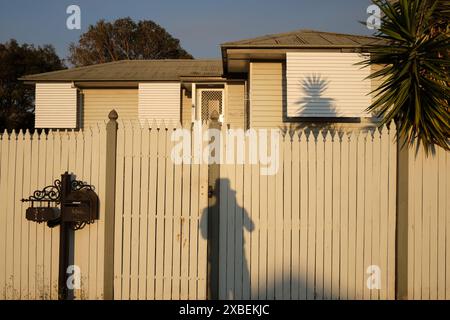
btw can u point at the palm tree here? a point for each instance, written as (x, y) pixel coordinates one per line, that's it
(414, 48)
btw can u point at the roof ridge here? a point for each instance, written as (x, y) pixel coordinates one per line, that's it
(294, 32)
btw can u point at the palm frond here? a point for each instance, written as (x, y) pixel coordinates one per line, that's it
(415, 87)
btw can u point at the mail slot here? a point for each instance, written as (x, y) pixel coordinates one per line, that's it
(80, 206)
(41, 214)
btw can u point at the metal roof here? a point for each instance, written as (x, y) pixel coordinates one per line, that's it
(174, 69)
(304, 38)
(135, 70)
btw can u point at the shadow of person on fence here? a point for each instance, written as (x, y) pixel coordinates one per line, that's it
(238, 220)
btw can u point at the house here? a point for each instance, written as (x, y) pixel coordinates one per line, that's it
(296, 78)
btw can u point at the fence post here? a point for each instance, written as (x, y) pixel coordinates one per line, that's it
(110, 195)
(213, 218)
(401, 234)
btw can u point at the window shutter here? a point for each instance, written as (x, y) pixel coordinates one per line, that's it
(327, 84)
(56, 106)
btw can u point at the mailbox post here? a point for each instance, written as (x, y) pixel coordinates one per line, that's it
(65, 234)
(78, 206)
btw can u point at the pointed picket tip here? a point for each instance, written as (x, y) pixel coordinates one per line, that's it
(159, 126)
(377, 132)
(306, 133)
(72, 134)
(330, 137)
(150, 124)
(393, 125)
(92, 129)
(364, 133)
(81, 134)
(27, 132)
(296, 135)
(35, 134)
(101, 126)
(153, 124)
(127, 124)
(351, 135)
(339, 136)
(13, 135)
(320, 137)
(382, 128)
(20, 135)
(371, 133)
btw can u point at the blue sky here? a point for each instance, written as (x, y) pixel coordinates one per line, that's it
(201, 25)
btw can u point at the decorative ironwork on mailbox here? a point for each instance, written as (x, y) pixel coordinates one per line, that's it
(79, 204)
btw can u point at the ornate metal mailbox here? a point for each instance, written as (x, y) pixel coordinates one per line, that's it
(42, 214)
(78, 201)
(80, 206)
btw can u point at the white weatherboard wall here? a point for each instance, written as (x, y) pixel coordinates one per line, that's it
(160, 101)
(56, 105)
(327, 84)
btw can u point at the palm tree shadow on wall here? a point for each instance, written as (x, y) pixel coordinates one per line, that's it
(314, 87)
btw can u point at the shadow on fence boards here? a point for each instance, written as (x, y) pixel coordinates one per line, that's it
(347, 215)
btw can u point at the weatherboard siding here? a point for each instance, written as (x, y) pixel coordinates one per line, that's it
(97, 103)
(235, 104)
(376, 83)
(56, 105)
(160, 101)
(266, 94)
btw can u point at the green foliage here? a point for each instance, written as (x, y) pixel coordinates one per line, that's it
(17, 98)
(414, 50)
(125, 39)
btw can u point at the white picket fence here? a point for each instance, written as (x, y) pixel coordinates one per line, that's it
(311, 231)
(29, 251)
(160, 252)
(319, 223)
